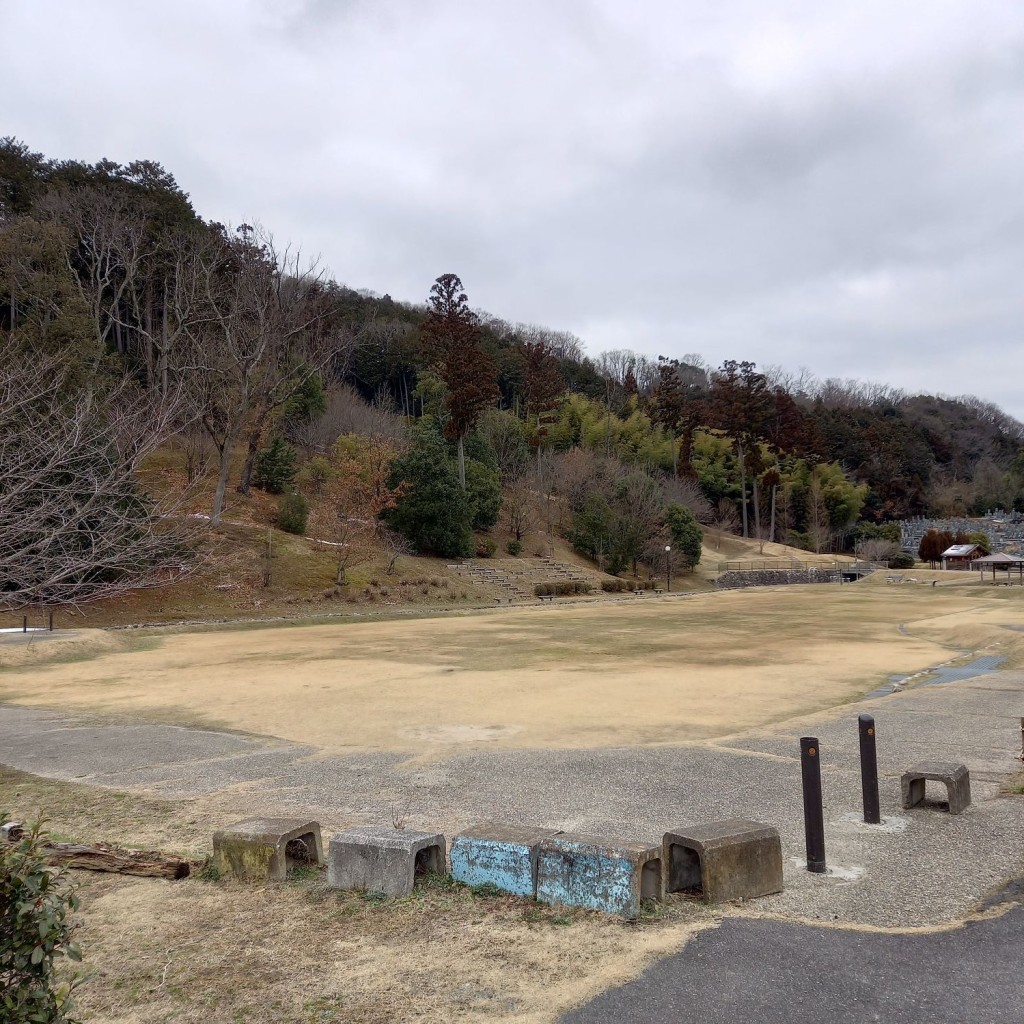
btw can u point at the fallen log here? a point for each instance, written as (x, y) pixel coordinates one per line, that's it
(151, 864)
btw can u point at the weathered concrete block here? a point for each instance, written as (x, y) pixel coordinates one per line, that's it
(380, 859)
(504, 856)
(263, 849)
(956, 778)
(582, 871)
(723, 860)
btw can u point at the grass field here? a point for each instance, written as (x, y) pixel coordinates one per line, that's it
(647, 670)
(608, 674)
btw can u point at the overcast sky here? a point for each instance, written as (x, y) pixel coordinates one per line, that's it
(836, 185)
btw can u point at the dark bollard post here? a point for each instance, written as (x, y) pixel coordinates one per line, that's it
(24, 624)
(814, 821)
(869, 769)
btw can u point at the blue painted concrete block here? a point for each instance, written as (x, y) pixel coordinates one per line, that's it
(581, 871)
(504, 856)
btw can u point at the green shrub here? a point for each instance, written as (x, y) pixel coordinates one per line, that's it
(316, 474)
(514, 548)
(615, 586)
(293, 513)
(485, 548)
(36, 930)
(903, 560)
(275, 467)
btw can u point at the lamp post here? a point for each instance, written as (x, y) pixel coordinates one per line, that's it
(668, 566)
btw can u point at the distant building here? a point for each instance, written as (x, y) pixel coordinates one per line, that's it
(960, 556)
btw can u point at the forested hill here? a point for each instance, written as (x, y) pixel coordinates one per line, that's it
(128, 318)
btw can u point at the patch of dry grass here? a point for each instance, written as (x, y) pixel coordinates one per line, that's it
(217, 951)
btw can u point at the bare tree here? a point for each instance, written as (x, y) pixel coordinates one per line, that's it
(519, 506)
(74, 526)
(687, 492)
(819, 530)
(264, 327)
(347, 413)
(395, 546)
(877, 549)
(724, 519)
(112, 246)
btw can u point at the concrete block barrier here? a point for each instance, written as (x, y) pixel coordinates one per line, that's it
(504, 856)
(723, 860)
(583, 871)
(955, 777)
(383, 859)
(263, 849)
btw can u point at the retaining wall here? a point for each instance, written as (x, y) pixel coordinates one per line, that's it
(776, 577)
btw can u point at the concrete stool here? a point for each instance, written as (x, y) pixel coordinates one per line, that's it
(380, 859)
(955, 776)
(263, 849)
(724, 860)
(581, 871)
(504, 856)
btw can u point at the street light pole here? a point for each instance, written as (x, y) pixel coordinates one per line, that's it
(668, 566)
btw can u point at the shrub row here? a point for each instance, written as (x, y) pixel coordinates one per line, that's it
(562, 589)
(619, 586)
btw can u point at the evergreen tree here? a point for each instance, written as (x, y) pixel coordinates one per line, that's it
(686, 534)
(433, 511)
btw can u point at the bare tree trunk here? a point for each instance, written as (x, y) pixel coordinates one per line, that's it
(222, 482)
(253, 447)
(757, 516)
(540, 467)
(165, 344)
(743, 489)
(147, 313)
(462, 462)
(771, 529)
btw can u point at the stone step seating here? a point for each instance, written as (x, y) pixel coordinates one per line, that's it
(518, 577)
(718, 861)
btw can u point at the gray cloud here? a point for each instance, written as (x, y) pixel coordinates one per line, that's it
(833, 186)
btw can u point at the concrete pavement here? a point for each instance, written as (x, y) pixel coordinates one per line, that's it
(772, 972)
(923, 867)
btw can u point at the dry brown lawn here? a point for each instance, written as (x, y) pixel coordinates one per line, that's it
(638, 671)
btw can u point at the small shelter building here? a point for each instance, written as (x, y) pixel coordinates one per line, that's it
(1000, 561)
(960, 556)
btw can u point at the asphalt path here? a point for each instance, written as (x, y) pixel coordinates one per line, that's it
(763, 972)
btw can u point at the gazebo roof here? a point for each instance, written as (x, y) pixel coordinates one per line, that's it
(999, 558)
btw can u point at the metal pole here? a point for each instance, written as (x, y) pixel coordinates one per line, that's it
(51, 622)
(814, 821)
(869, 769)
(24, 624)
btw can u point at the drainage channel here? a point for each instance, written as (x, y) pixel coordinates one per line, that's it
(981, 666)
